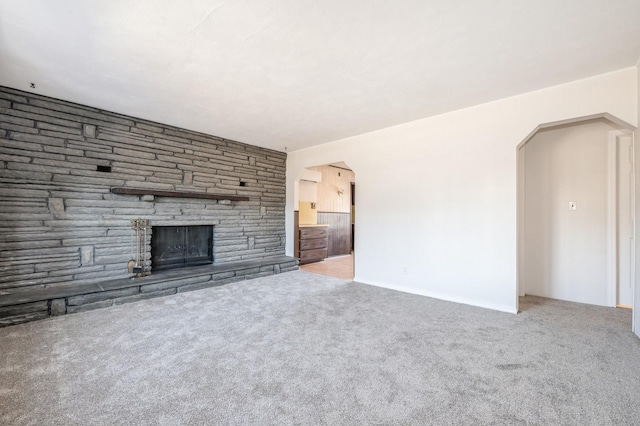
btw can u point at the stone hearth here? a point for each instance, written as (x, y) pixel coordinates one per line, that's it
(18, 306)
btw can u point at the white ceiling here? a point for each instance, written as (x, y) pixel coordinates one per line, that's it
(295, 73)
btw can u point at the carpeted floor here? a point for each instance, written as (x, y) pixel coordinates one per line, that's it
(299, 348)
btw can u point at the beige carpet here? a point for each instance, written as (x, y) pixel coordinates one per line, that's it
(299, 348)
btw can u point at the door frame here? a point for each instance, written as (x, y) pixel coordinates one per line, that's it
(612, 213)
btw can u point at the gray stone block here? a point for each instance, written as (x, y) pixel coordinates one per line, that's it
(188, 178)
(30, 112)
(24, 146)
(258, 275)
(81, 111)
(88, 180)
(127, 133)
(21, 319)
(57, 161)
(23, 217)
(169, 145)
(90, 147)
(144, 133)
(65, 151)
(16, 128)
(149, 185)
(25, 308)
(51, 266)
(89, 306)
(125, 212)
(56, 205)
(23, 137)
(58, 307)
(128, 140)
(168, 179)
(222, 275)
(74, 130)
(26, 177)
(4, 118)
(89, 130)
(86, 255)
(195, 137)
(229, 280)
(11, 267)
(181, 137)
(192, 287)
(61, 135)
(143, 296)
(148, 127)
(90, 275)
(173, 284)
(87, 299)
(79, 273)
(247, 271)
(134, 153)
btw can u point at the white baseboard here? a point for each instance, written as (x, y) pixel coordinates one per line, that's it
(440, 296)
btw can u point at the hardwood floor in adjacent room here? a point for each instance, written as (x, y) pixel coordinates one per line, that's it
(337, 267)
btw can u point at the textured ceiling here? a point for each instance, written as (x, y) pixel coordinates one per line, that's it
(298, 73)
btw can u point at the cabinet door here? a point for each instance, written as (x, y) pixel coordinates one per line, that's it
(309, 233)
(316, 243)
(310, 255)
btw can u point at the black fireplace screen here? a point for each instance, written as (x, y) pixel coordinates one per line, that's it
(178, 246)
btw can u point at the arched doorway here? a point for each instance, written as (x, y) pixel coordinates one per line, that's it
(324, 220)
(575, 211)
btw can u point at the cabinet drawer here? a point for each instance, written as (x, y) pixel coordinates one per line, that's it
(307, 233)
(316, 243)
(318, 254)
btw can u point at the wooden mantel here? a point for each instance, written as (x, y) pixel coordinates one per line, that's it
(177, 194)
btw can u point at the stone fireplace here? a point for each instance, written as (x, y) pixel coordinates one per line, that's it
(73, 177)
(180, 246)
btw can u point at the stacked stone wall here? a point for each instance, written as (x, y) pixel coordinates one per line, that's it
(59, 222)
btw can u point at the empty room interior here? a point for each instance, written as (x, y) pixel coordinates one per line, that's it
(283, 212)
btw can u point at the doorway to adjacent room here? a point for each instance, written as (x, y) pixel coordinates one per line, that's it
(324, 220)
(576, 203)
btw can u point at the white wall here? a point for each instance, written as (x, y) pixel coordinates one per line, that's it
(308, 191)
(566, 254)
(636, 305)
(306, 188)
(438, 196)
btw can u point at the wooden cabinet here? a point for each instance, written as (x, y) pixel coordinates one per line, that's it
(312, 243)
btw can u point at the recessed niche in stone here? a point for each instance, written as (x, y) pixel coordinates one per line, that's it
(180, 246)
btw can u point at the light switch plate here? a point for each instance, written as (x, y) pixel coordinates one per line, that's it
(573, 205)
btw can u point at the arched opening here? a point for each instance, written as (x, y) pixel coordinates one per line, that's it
(324, 220)
(576, 204)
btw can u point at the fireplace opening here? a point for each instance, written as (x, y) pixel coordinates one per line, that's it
(180, 246)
